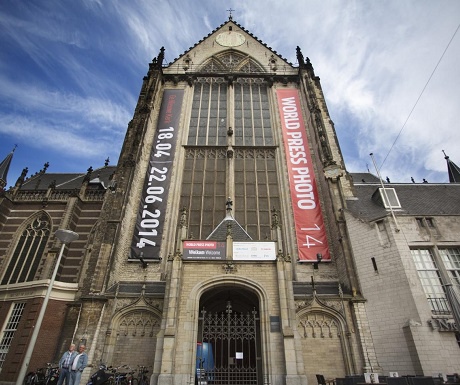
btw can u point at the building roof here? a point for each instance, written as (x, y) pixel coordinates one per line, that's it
(135, 288)
(415, 198)
(42, 180)
(229, 224)
(364, 177)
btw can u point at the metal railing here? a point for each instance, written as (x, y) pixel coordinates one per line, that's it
(439, 305)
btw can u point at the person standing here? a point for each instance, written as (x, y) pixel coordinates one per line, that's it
(65, 364)
(79, 363)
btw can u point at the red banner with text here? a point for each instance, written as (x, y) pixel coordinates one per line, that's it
(308, 218)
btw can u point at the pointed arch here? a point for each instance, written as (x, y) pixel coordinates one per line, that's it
(137, 324)
(249, 65)
(31, 239)
(322, 330)
(233, 61)
(212, 65)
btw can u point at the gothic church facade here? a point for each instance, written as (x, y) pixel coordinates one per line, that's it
(216, 250)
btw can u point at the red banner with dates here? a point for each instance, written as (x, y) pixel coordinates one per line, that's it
(308, 218)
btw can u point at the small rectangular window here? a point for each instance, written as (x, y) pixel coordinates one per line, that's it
(389, 198)
(374, 263)
(382, 232)
(426, 223)
(274, 323)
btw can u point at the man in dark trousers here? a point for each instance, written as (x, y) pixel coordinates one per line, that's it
(65, 364)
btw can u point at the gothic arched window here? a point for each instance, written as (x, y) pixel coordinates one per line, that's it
(28, 252)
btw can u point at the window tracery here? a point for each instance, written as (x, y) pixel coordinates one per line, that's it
(139, 323)
(318, 326)
(27, 255)
(231, 61)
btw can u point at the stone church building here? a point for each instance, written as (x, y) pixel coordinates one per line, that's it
(230, 244)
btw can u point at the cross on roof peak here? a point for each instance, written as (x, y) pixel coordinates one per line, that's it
(230, 13)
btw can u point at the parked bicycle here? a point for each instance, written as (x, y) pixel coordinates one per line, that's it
(142, 378)
(43, 376)
(102, 376)
(122, 375)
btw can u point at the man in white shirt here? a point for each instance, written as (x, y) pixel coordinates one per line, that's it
(79, 363)
(65, 364)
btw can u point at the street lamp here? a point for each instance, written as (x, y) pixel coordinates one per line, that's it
(65, 236)
(319, 258)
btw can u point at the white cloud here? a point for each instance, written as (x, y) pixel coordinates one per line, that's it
(71, 107)
(58, 138)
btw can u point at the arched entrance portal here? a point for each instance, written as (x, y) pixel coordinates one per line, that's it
(228, 347)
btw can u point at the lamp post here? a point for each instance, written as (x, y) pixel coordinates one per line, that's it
(319, 258)
(65, 236)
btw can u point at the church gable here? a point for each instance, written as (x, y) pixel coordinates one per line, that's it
(230, 48)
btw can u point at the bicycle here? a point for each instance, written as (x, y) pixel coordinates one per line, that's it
(142, 378)
(43, 376)
(102, 376)
(121, 378)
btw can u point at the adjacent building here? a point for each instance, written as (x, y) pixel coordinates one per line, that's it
(408, 264)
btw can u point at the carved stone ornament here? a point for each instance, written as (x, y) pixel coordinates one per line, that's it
(229, 268)
(122, 303)
(333, 172)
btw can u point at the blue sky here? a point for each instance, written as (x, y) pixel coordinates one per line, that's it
(71, 71)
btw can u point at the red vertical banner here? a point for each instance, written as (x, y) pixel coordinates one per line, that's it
(308, 218)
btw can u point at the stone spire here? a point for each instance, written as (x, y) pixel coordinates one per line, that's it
(4, 167)
(452, 169)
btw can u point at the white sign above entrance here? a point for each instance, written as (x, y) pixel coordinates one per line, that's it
(254, 251)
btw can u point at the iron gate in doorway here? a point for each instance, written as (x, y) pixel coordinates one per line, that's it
(227, 353)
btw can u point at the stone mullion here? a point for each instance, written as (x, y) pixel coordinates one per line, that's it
(230, 187)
